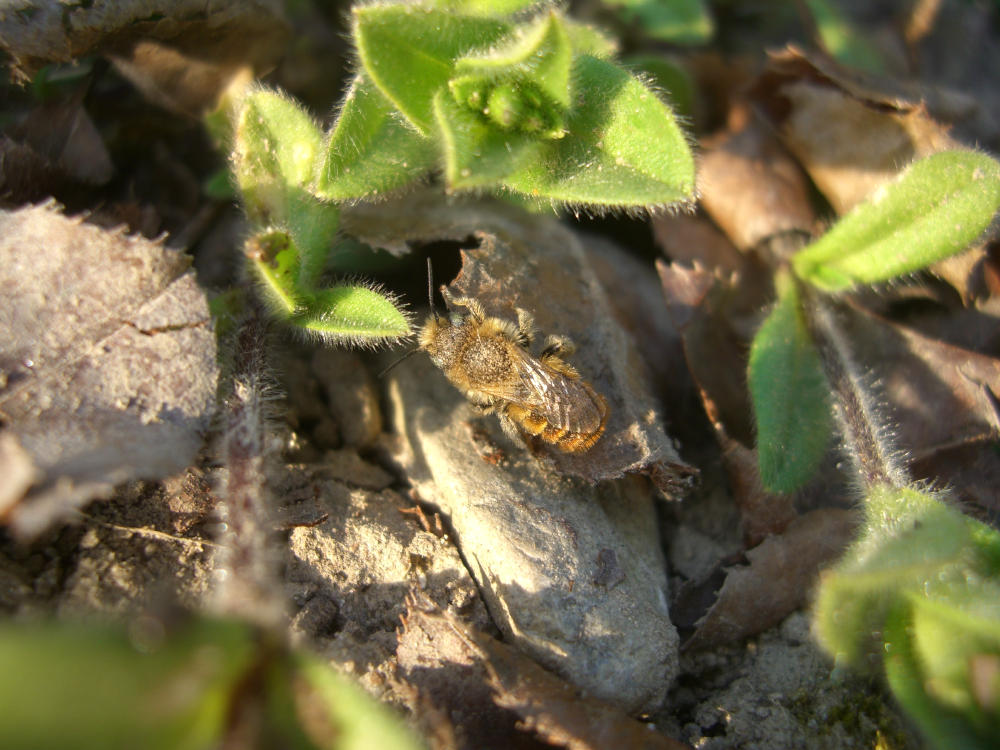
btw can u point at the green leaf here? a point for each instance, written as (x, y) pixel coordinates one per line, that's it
(496, 8)
(370, 149)
(676, 21)
(85, 686)
(943, 727)
(274, 261)
(477, 152)
(623, 147)
(353, 315)
(589, 40)
(912, 544)
(409, 52)
(541, 54)
(937, 208)
(920, 589)
(671, 79)
(357, 721)
(950, 663)
(790, 396)
(275, 150)
(276, 146)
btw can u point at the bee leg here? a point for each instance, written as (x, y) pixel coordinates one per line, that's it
(481, 404)
(509, 426)
(558, 346)
(525, 328)
(474, 307)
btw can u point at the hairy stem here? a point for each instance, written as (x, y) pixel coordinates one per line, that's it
(866, 436)
(246, 565)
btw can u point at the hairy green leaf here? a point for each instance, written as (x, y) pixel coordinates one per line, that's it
(790, 396)
(912, 544)
(937, 207)
(370, 149)
(623, 147)
(477, 153)
(274, 262)
(410, 52)
(355, 315)
(275, 150)
(670, 78)
(920, 587)
(589, 40)
(541, 54)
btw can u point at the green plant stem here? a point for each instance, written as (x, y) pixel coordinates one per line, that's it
(865, 434)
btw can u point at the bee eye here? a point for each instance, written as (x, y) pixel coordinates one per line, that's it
(455, 319)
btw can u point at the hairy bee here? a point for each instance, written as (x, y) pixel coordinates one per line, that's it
(488, 359)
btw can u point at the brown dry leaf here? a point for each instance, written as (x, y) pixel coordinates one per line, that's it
(850, 136)
(488, 689)
(937, 397)
(107, 360)
(693, 239)
(762, 513)
(717, 317)
(63, 134)
(181, 54)
(750, 186)
(777, 580)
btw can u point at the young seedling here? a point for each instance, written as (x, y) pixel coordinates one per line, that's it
(918, 593)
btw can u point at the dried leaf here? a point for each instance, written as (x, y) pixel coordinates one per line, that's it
(761, 512)
(850, 138)
(937, 396)
(777, 580)
(62, 132)
(751, 187)
(716, 317)
(694, 239)
(537, 544)
(180, 54)
(108, 369)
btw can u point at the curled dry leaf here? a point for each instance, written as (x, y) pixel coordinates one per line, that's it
(751, 187)
(850, 137)
(941, 399)
(761, 512)
(107, 370)
(778, 579)
(181, 54)
(716, 316)
(62, 134)
(448, 661)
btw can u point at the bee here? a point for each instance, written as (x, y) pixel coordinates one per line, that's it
(489, 360)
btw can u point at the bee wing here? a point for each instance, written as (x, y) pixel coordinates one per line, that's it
(566, 403)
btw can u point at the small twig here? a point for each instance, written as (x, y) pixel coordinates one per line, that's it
(148, 533)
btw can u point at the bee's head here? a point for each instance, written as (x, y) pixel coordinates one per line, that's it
(440, 338)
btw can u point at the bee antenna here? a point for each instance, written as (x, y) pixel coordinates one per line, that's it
(430, 289)
(405, 356)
